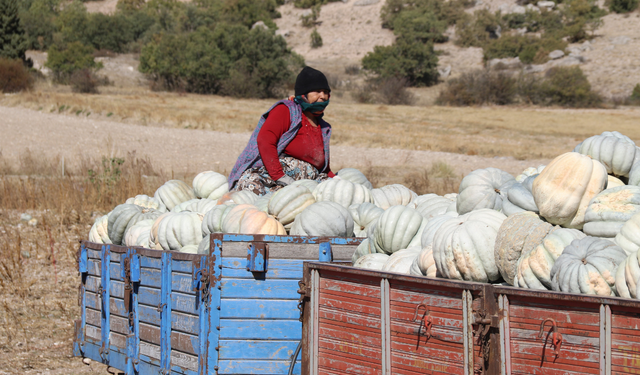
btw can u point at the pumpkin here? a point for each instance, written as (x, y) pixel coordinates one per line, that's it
(363, 249)
(608, 211)
(233, 220)
(531, 171)
(533, 270)
(124, 216)
(263, 202)
(325, 219)
(392, 195)
(153, 233)
(432, 227)
(238, 197)
(255, 221)
(196, 205)
(613, 181)
(628, 277)
(204, 245)
(174, 192)
(517, 235)
(430, 205)
(364, 215)
(483, 188)
(629, 237)
(399, 227)
(614, 150)
(289, 202)
(564, 188)
(179, 229)
(424, 264)
(355, 176)
(210, 185)
(371, 261)
(212, 222)
(189, 249)
(99, 232)
(147, 202)
(588, 266)
(309, 184)
(342, 192)
(520, 198)
(401, 261)
(634, 174)
(138, 233)
(463, 247)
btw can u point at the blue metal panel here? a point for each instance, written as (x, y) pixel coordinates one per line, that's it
(213, 336)
(259, 309)
(278, 269)
(133, 336)
(261, 329)
(324, 254)
(243, 288)
(83, 259)
(256, 258)
(78, 345)
(257, 367)
(105, 324)
(257, 349)
(201, 285)
(165, 307)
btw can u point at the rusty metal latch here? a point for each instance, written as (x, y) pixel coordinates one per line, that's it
(425, 322)
(128, 287)
(305, 293)
(556, 339)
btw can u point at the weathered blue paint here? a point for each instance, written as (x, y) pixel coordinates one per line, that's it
(105, 323)
(133, 334)
(324, 254)
(215, 285)
(149, 262)
(243, 288)
(257, 349)
(78, 345)
(93, 267)
(183, 266)
(278, 269)
(201, 285)
(256, 261)
(259, 308)
(116, 359)
(165, 307)
(256, 367)
(261, 329)
(83, 259)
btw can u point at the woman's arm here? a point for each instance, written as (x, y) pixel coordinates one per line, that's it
(278, 122)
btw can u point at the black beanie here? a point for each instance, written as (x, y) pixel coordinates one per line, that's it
(310, 79)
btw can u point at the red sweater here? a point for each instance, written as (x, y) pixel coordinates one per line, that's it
(306, 146)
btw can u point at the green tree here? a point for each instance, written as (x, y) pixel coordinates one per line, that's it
(13, 41)
(65, 60)
(38, 20)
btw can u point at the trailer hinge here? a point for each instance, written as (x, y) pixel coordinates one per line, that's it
(305, 295)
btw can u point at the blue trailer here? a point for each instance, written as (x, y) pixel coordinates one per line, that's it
(233, 311)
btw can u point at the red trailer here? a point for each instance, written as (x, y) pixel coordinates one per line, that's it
(358, 321)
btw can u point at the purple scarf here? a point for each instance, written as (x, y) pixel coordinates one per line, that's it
(250, 157)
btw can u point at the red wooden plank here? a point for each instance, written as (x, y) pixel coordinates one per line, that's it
(403, 363)
(524, 367)
(350, 303)
(329, 361)
(349, 350)
(353, 334)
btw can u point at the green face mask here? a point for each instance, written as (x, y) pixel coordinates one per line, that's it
(311, 107)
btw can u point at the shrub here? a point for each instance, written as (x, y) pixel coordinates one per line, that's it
(408, 58)
(65, 60)
(310, 20)
(476, 30)
(14, 76)
(623, 6)
(635, 94)
(84, 81)
(569, 87)
(580, 17)
(479, 87)
(352, 70)
(13, 42)
(316, 39)
(393, 91)
(528, 49)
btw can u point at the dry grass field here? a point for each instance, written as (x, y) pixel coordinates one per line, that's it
(38, 277)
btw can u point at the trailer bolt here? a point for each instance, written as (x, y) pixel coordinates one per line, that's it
(218, 328)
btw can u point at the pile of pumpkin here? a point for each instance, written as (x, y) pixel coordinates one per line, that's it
(572, 226)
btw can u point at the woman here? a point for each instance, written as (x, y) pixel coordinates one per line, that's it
(291, 141)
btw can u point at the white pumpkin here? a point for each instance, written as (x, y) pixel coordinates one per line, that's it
(179, 229)
(204, 245)
(147, 202)
(564, 188)
(309, 184)
(613, 181)
(174, 192)
(342, 192)
(399, 227)
(371, 261)
(363, 249)
(211, 185)
(533, 270)
(124, 216)
(614, 150)
(463, 247)
(355, 176)
(392, 195)
(232, 221)
(212, 222)
(138, 233)
(588, 266)
(238, 197)
(608, 211)
(520, 198)
(424, 264)
(483, 188)
(153, 234)
(364, 215)
(531, 171)
(432, 227)
(288, 202)
(430, 205)
(629, 237)
(196, 205)
(189, 249)
(263, 202)
(628, 277)
(325, 219)
(634, 174)
(518, 234)
(401, 261)
(255, 221)
(99, 232)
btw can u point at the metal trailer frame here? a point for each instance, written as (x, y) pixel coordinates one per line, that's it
(387, 323)
(233, 311)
